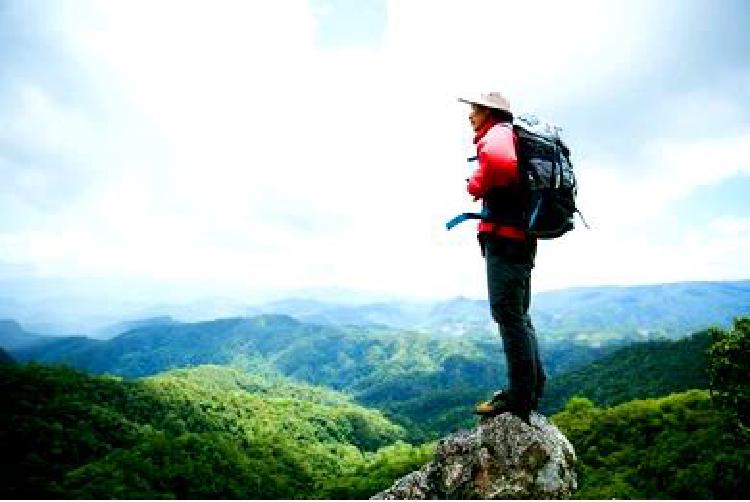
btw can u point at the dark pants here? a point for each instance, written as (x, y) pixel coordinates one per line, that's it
(509, 263)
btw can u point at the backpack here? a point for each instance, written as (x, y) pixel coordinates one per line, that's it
(548, 184)
(547, 177)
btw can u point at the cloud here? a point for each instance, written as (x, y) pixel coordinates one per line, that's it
(637, 236)
(707, 252)
(618, 195)
(182, 141)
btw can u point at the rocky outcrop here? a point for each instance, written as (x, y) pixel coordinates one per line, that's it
(503, 458)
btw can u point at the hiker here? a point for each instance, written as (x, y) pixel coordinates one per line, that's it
(509, 253)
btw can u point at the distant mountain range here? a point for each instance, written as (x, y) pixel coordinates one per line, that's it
(118, 328)
(13, 336)
(663, 309)
(594, 316)
(589, 314)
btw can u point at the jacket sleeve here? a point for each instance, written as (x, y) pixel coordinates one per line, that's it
(498, 166)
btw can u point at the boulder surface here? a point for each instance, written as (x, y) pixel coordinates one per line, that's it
(502, 458)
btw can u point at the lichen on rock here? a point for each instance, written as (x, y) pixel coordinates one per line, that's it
(502, 458)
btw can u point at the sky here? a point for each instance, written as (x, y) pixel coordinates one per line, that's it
(161, 150)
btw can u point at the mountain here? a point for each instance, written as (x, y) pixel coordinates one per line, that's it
(671, 310)
(118, 328)
(637, 371)
(426, 383)
(208, 432)
(448, 317)
(592, 315)
(395, 314)
(13, 336)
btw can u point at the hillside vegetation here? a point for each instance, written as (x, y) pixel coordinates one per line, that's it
(217, 432)
(637, 371)
(691, 445)
(674, 447)
(428, 384)
(208, 432)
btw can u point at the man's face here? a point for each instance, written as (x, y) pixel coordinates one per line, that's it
(478, 116)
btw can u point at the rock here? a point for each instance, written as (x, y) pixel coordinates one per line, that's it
(503, 458)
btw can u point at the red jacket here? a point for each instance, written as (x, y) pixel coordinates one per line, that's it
(498, 166)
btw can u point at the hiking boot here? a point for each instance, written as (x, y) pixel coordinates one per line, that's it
(499, 403)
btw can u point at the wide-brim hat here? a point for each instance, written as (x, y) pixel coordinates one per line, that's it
(493, 100)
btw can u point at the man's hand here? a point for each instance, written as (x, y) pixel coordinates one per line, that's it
(475, 198)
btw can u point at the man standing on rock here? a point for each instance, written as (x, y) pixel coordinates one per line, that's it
(508, 251)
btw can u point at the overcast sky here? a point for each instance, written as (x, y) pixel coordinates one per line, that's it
(243, 147)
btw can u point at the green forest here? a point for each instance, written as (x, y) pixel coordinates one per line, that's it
(662, 419)
(204, 432)
(396, 371)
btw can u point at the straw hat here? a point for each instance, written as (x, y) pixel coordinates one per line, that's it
(493, 100)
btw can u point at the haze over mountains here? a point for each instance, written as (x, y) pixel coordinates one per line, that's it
(665, 309)
(638, 312)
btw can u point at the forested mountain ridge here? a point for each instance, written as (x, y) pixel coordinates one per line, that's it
(328, 355)
(218, 432)
(428, 384)
(636, 371)
(207, 432)
(410, 375)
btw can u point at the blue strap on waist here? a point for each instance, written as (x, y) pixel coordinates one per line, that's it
(467, 216)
